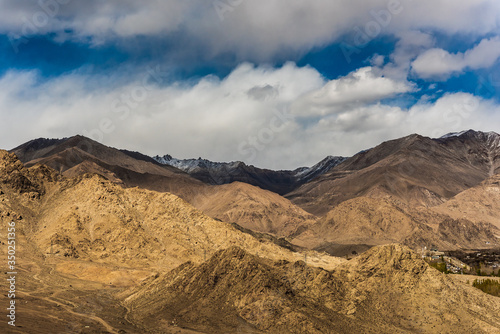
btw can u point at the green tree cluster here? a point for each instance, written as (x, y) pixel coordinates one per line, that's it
(489, 286)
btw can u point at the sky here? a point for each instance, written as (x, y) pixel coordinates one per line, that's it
(274, 83)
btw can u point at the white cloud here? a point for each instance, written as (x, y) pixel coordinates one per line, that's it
(439, 63)
(358, 88)
(410, 44)
(257, 29)
(224, 119)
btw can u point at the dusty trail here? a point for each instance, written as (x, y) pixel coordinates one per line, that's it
(107, 326)
(48, 285)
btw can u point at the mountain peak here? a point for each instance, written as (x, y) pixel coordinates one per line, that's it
(39, 143)
(281, 182)
(469, 133)
(453, 134)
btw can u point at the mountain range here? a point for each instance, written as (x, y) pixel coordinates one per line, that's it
(338, 194)
(280, 182)
(417, 170)
(116, 241)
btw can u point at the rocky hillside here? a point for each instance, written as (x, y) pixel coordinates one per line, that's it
(78, 155)
(91, 218)
(253, 208)
(373, 221)
(478, 204)
(387, 289)
(416, 170)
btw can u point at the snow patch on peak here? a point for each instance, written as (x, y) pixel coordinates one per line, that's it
(227, 172)
(192, 165)
(454, 134)
(492, 135)
(472, 133)
(320, 168)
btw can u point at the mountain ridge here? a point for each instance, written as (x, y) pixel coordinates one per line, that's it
(387, 289)
(79, 155)
(281, 181)
(416, 169)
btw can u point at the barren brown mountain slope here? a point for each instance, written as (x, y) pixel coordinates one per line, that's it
(478, 148)
(65, 153)
(95, 257)
(243, 204)
(389, 289)
(91, 218)
(477, 204)
(414, 169)
(375, 221)
(78, 155)
(46, 302)
(392, 281)
(82, 240)
(253, 208)
(95, 219)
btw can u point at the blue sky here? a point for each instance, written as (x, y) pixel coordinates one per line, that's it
(277, 84)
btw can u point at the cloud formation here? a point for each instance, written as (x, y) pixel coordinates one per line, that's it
(256, 30)
(439, 63)
(360, 87)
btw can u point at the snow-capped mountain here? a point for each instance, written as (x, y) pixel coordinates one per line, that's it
(309, 173)
(453, 134)
(491, 138)
(193, 165)
(226, 172)
(485, 145)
